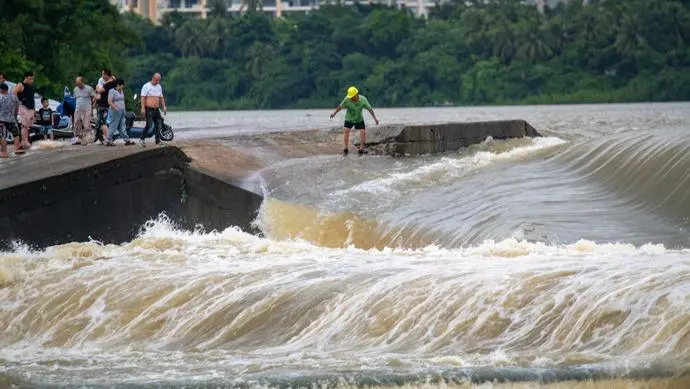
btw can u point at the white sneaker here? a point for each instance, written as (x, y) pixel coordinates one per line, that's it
(142, 143)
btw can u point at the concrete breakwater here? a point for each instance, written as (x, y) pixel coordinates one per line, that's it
(75, 195)
(400, 140)
(106, 194)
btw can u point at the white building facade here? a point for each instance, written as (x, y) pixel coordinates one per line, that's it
(155, 9)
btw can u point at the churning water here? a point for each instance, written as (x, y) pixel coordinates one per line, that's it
(561, 261)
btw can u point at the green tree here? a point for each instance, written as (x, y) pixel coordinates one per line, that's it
(55, 39)
(217, 37)
(629, 35)
(217, 8)
(190, 38)
(259, 56)
(466, 52)
(505, 42)
(385, 30)
(534, 43)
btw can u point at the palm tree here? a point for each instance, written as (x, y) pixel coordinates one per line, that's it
(679, 22)
(217, 9)
(629, 37)
(591, 22)
(259, 56)
(504, 42)
(189, 38)
(562, 33)
(475, 29)
(534, 43)
(218, 30)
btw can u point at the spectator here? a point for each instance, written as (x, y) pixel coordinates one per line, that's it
(9, 108)
(116, 100)
(102, 105)
(84, 96)
(27, 110)
(152, 101)
(45, 120)
(104, 73)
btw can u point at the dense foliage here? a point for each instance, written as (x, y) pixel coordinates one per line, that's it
(493, 52)
(59, 39)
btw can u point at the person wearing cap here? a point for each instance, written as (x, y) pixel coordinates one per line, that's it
(354, 103)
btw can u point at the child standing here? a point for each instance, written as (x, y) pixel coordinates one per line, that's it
(9, 109)
(44, 118)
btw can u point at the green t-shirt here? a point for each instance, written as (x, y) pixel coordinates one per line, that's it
(354, 109)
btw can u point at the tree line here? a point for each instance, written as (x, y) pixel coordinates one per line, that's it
(463, 53)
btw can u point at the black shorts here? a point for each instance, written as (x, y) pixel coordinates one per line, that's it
(9, 127)
(357, 126)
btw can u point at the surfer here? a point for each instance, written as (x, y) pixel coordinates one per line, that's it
(354, 103)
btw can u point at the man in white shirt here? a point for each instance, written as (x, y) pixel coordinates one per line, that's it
(152, 101)
(84, 96)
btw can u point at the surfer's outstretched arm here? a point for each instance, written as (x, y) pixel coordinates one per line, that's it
(373, 115)
(337, 109)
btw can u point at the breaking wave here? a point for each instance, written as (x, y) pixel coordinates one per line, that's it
(631, 189)
(264, 306)
(511, 264)
(652, 172)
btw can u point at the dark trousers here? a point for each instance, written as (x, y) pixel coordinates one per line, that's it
(153, 116)
(101, 118)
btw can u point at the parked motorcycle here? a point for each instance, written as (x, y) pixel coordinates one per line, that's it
(135, 127)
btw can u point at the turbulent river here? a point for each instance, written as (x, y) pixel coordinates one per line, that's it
(561, 261)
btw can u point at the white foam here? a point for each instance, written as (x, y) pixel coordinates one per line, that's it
(217, 291)
(48, 144)
(449, 168)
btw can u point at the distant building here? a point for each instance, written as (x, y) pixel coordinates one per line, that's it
(155, 9)
(541, 4)
(146, 8)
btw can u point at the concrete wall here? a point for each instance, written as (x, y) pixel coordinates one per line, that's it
(398, 140)
(109, 201)
(212, 202)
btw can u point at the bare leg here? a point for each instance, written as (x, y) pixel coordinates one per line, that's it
(3, 148)
(346, 138)
(17, 145)
(25, 137)
(363, 138)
